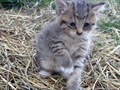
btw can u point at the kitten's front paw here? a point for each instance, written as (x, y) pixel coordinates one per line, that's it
(44, 73)
(67, 70)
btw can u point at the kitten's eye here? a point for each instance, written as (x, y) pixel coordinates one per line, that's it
(72, 24)
(86, 25)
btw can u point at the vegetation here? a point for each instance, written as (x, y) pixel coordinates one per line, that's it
(18, 30)
(8, 4)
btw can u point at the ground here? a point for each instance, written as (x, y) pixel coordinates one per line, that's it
(18, 70)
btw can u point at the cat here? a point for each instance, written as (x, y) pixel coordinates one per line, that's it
(63, 44)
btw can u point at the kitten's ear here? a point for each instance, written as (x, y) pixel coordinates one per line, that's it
(98, 6)
(61, 6)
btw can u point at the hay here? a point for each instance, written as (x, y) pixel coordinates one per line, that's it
(18, 70)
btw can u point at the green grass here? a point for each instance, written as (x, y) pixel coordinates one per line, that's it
(8, 4)
(112, 27)
(118, 2)
(109, 24)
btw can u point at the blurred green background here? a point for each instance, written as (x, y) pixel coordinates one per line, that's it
(8, 4)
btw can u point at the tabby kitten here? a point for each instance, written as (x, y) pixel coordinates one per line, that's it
(63, 44)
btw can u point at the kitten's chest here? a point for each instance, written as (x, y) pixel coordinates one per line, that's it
(71, 44)
(73, 47)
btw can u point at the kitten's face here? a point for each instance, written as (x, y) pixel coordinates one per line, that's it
(77, 17)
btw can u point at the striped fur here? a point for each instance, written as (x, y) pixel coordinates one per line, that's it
(63, 44)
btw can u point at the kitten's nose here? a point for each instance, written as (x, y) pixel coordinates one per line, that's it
(79, 33)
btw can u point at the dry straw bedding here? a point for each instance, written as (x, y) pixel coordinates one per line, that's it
(18, 70)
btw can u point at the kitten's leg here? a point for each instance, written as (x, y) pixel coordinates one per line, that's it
(75, 78)
(62, 56)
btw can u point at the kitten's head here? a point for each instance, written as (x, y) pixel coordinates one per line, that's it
(77, 16)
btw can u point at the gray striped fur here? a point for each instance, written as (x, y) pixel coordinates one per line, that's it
(62, 46)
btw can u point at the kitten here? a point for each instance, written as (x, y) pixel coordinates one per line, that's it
(63, 44)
